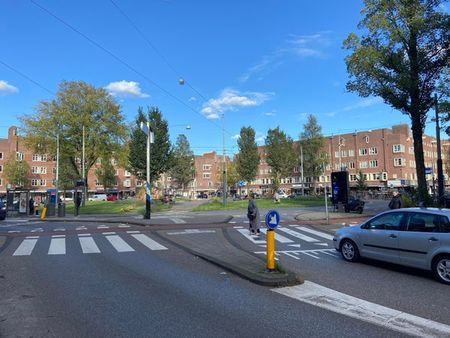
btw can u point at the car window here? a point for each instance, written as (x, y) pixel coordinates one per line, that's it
(444, 224)
(390, 221)
(422, 222)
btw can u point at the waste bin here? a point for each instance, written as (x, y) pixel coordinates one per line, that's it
(61, 209)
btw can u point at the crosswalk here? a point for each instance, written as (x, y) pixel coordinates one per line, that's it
(87, 243)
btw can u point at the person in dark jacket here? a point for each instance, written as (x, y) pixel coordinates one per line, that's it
(31, 206)
(253, 215)
(396, 201)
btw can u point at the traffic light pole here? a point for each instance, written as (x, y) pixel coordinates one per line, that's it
(148, 196)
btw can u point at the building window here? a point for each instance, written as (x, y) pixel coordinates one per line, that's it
(411, 150)
(399, 162)
(373, 163)
(1, 182)
(127, 183)
(206, 167)
(97, 183)
(366, 139)
(19, 156)
(352, 178)
(351, 153)
(1, 156)
(398, 148)
(412, 163)
(373, 151)
(1, 168)
(363, 164)
(336, 154)
(343, 153)
(206, 175)
(351, 165)
(38, 182)
(138, 183)
(362, 151)
(127, 173)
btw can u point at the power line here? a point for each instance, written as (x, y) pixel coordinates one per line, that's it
(118, 59)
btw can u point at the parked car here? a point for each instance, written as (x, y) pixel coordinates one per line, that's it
(202, 195)
(111, 198)
(281, 194)
(295, 195)
(415, 237)
(2, 210)
(354, 205)
(98, 197)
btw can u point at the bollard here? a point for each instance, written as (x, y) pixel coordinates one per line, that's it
(44, 211)
(270, 254)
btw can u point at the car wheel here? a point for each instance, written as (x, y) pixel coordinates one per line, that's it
(349, 250)
(441, 269)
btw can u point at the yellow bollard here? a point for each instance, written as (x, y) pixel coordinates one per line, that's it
(44, 211)
(270, 254)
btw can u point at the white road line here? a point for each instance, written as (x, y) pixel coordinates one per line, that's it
(119, 244)
(148, 242)
(103, 227)
(124, 226)
(317, 233)
(59, 229)
(310, 254)
(81, 228)
(177, 220)
(57, 246)
(341, 303)
(37, 230)
(232, 222)
(32, 237)
(81, 235)
(88, 245)
(58, 236)
(133, 232)
(13, 231)
(238, 227)
(299, 235)
(25, 248)
(278, 237)
(108, 233)
(245, 233)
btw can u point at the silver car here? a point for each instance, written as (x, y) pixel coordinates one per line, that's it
(416, 237)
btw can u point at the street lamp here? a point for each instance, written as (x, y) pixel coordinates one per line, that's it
(224, 163)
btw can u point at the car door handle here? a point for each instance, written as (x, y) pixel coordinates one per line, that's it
(433, 239)
(392, 236)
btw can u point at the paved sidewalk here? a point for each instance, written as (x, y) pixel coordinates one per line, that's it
(212, 245)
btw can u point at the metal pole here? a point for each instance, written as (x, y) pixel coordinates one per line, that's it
(83, 173)
(224, 163)
(340, 161)
(303, 178)
(57, 167)
(440, 173)
(148, 187)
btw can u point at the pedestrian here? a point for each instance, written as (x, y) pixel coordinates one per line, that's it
(77, 203)
(253, 215)
(31, 205)
(396, 201)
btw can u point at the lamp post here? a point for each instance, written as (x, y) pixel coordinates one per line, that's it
(224, 163)
(440, 173)
(146, 129)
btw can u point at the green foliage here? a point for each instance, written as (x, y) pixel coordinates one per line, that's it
(232, 175)
(402, 58)
(281, 155)
(247, 159)
(361, 182)
(312, 143)
(106, 174)
(161, 159)
(183, 169)
(16, 172)
(77, 104)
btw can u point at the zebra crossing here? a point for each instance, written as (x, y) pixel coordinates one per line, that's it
(87, 243)
(294, 241)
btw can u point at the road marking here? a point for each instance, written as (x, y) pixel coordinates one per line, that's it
(13, 231)
(57, 246)
(81, 235)
(238, 227)
(295, 245)
(299, 235)
(119, 244)
(81, 228)
(148, 242)
(26, 247)
(59, 229)
(88, 245)
(315, 232)
(321, 244)
(103, 227)
(57, 236)
(246, 234)
(32, 237)
(108, 233)
(350, 306)
(177, 220)
(133, 232)
(37, 230)
(278, 237)
(232, 222)
(192, 232)
(124, 226)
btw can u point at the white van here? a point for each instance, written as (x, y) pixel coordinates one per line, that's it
(98, 197)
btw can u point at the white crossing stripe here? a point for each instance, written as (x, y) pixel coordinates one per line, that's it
(26, 247)
(57, 246)
(88, 245)
(177, 220)
(148, 242)
(245, 233)
(124, 226)
(119, 244)
(278, 237)
(315, 232)
(360, 309)
(299, 235)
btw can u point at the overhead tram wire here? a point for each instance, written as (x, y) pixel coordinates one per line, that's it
(127, 65)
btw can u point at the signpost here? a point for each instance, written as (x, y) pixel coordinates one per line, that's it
(272, 221)
(148, 197)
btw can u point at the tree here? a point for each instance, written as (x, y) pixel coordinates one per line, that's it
(312, 142)
(106, 174)
(183, 169)
(77, 104)
(281, 156)
(247, 159)
(16, 172)
(161, 157)
(232, 175)
(361, 182)
(401, 58)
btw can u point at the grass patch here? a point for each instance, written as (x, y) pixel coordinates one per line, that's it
(116, 207)
(265, 203)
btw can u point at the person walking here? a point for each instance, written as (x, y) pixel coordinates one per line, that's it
(396, 201)
(77, 203)
(31, 206)
(253, 215)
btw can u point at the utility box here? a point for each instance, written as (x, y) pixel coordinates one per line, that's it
(51, 202)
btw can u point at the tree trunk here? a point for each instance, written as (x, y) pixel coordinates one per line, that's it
(418, 153)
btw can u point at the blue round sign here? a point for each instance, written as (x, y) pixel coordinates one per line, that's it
(272, 219)
(241, 183)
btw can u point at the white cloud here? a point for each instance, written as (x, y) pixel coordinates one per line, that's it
(260, 139)
(236, 137)
(358, 105)
(270, 113)
(231, 100)
(192, 98)
(125, 89)
(6, 88)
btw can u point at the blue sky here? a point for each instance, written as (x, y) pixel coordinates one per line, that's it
(260, 63)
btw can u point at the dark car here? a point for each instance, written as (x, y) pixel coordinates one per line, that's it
(2, 210)
(354, 205)
(202, 195)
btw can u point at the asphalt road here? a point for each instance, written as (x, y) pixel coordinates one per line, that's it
(99, 282)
